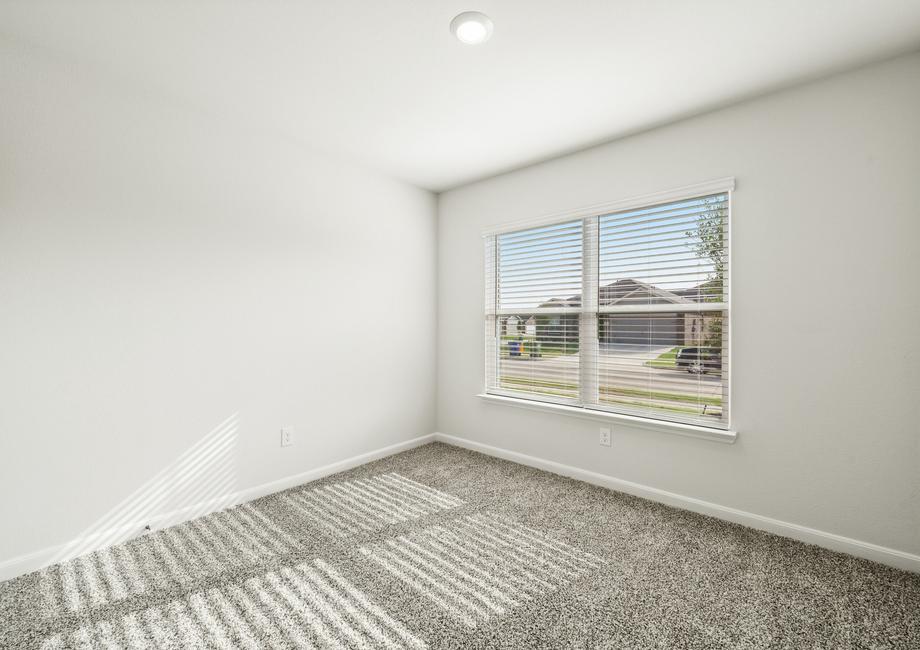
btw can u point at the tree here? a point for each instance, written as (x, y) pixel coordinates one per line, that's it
(709, 243)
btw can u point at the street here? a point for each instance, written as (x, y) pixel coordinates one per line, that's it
(622, 366)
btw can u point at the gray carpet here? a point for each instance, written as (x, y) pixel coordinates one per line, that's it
(440, 547)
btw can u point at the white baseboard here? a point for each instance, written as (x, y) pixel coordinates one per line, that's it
(29, 562)
(881, 554)
(38, 559)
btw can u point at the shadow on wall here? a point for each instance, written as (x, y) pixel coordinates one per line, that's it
(97, 570)
(201, 480)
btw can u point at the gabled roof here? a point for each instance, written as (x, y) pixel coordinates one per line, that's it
(574, 301)
(628, 289)
(632, 290)
(705, 292)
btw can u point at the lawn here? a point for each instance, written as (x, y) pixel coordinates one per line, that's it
(660, 395)
(666, 360)
(682, 402)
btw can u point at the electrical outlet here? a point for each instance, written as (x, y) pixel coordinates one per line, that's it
(287, 436)
(605, 437)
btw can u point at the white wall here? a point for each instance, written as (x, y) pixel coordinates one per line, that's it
(171, 282)
(826, 311)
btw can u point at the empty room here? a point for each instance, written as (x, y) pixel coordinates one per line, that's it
(438, 324)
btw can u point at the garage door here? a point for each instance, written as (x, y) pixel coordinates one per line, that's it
(658, 329)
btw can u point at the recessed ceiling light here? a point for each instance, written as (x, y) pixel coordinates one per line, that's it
(471, 27)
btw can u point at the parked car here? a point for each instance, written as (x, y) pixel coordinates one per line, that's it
(699, 360)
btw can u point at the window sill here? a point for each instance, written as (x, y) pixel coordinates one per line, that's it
(689, 430)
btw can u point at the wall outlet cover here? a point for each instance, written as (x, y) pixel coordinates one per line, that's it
(605, 438)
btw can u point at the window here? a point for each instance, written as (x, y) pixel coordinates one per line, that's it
(624, 311)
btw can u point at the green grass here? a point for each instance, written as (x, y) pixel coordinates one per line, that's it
(669, 397)
(666, 360)
(658, 407)
(614, 394)
(558, 388)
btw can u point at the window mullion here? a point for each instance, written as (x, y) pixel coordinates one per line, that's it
(491, 321)
(587, 334)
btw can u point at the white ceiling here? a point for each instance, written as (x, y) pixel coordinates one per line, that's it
(384, 83)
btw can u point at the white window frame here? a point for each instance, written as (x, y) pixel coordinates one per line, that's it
(588, 406)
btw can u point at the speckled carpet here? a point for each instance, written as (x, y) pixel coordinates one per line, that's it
(441, 547)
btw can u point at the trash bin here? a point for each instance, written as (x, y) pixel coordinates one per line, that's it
(514, 348)
(535, 350)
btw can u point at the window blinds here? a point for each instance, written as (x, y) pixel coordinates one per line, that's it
(538, 283)
(626, 311)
